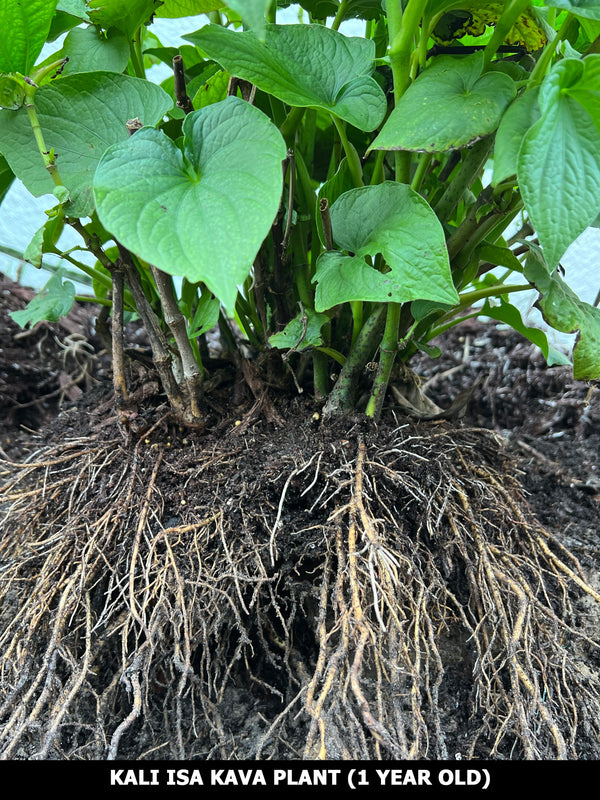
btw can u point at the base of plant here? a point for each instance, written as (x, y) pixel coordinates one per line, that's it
(379, 592)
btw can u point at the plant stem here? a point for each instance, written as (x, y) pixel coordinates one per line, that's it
(117, 355)
(402, 31)
(512, 11)
(192, 373)
(467, 300)
(179, 89)
(389, 350)
(340, 15)
(341, 398)
(541, 67)
(403, 28)
(320, 375)
(473, 163)
(135, 53)
(472, 230)
(352, 156)
(158, 342)
(291, 123)
(47, 155)
(421, 171)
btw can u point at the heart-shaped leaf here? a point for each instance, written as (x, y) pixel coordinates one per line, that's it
(81, 116)
(203, 212)
(391, 219)
(304, 66)
(450, 105)
(559, 164)
(23, 31)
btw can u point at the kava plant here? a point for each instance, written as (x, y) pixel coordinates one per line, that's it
(302, 212)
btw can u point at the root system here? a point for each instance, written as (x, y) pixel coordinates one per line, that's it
(289, 594)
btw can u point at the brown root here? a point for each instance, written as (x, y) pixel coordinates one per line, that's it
(367, 596)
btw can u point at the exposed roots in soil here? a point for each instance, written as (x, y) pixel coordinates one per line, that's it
(382, 595)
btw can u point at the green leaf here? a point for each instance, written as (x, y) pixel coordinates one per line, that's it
(581, 8)
(559, 166)
(450, 105)
(7, 176)
(253, 14)
(206, 315)
(12, 91)
(188, 8)
(391, 219)
(587, 89)
(202, 213)
(90, 49)
(23, 32)
(564, 311)
(45, 238)
(304, 66)
(125, 17)
(77, 8)
(54, 301)
(303, 332)
(518, 119)
(81, 115)
(499, 256)
(213, 90)
(510, 315)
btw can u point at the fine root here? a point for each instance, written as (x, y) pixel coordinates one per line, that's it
(367, 597)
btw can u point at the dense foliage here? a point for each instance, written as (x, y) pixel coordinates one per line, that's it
(339, 200)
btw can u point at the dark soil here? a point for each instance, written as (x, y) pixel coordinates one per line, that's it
(259, 503)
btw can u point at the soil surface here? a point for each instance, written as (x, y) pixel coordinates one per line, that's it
(55, 387)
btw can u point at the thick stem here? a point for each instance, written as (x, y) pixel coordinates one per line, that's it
(158, 342)
(179, 89)
(118, 358)
(402, 30)
(389, 350)
(472, 230)
(192, 373)
(341, 398)
(470, 168)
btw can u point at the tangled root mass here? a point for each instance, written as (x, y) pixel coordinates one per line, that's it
(303, 595)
